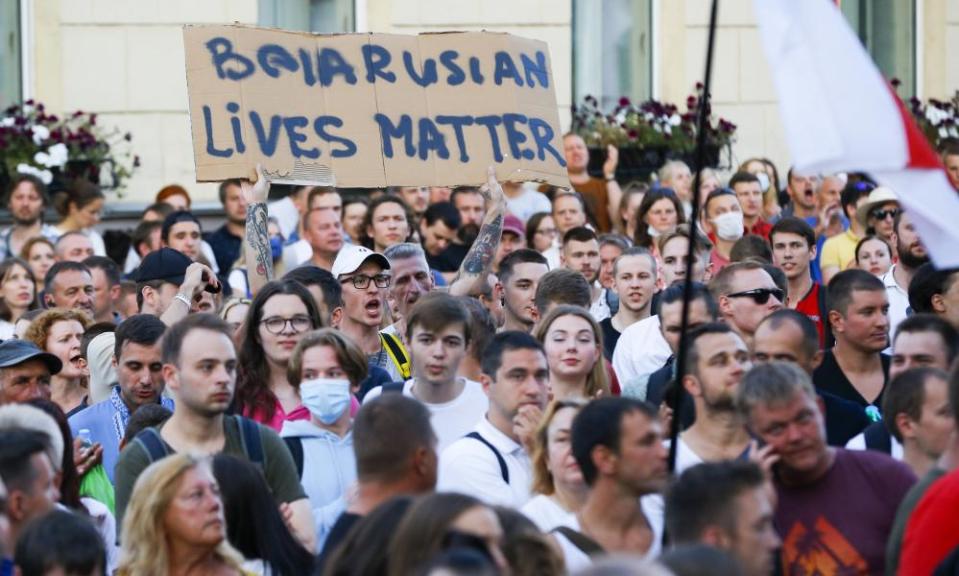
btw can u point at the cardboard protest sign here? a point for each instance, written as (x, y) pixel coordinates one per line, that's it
(372, 110)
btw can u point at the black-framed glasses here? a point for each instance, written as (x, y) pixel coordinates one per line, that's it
(277, 324)
(880, 214)
(362, 281)
(760, 295)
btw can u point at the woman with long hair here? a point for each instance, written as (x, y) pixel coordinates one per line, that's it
(40, 254)
(175, 524)
(79, 207)
(18, 293)
(327, 369)
(557, 479)
(633, 194)
(574, 353)
(659, 212)
(60, 332)
(280, 315)
(254, 525)
(437, 519)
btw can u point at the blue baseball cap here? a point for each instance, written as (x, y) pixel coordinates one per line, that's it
(16, 352)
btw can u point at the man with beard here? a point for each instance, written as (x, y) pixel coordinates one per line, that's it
(716, 361)
(471, 205)
(437, 228)
(618, 444)
(912, 255)
(136, 356)
(28, 198)
(580, 253)
(227, 240)
(634, 282)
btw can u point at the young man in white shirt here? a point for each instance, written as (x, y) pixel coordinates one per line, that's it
(492, 462)
(438, 335)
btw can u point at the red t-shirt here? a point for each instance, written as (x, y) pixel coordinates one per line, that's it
(809, 305)
(933, 529)
(760, 228)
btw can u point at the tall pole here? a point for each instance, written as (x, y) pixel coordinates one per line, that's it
(699, 156)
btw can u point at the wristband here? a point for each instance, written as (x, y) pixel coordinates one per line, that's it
(610, 178)
(183, 298)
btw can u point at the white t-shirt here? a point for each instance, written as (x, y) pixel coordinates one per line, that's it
(599, 309)
(898, 303)
(640, 351)
(685, 457)
(546, 513)
(529, 202)
(451, 420)
(286, 215)
(6, 330)
(859, 443)
(469, 466)
(296, 253)
(653, 508)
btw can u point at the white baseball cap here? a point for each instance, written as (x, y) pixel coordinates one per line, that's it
(352, 256)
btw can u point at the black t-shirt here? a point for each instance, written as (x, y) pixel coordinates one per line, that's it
(448, 260)
(336, 536)
(610, 338)
(830, 378)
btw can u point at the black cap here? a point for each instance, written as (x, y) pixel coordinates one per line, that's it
(164, 264)
(15, 352)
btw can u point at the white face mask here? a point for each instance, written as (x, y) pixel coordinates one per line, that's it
(729, 226)
(763, 181)
(326, 399)
(653, 233)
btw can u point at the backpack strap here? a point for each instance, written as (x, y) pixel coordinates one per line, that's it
(149, 439)
(393, 387)
(586, 544)
(503, 470)
(878, 438)
(250, 437)
(295, 444)
(394, 348)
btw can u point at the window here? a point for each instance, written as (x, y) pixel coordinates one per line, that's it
(321, 16)
(888, 30)
(612, 50)
(10, 55)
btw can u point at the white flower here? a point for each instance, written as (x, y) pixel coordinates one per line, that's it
(42, 158)
(27, 109)
(648, 116)
(45, 176)
(58, 154)
(657, 127)
(935, 115)
(40, 133)
(943, 133)
(675, 120)
(7, 121)
(954, 132)
(668, 129)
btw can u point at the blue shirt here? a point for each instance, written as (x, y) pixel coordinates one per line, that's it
(107, 426)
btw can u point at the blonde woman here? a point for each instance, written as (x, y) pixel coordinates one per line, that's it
(174, 523)
(574, 352)
(59, 332)
(557, 479)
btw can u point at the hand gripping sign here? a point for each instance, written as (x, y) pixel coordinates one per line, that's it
(372, 110)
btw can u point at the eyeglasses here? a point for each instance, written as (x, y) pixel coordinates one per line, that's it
(362, 281)
(760, 295)
(880, 214)
(276, 324)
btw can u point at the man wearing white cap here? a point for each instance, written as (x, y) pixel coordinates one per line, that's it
(364, 276)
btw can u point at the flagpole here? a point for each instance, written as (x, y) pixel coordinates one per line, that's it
(677, 395)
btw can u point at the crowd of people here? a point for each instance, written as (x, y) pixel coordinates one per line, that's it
(481, 380)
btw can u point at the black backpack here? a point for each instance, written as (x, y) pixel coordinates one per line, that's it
(151, 442)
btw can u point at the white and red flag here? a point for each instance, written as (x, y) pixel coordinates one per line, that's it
(840, 115)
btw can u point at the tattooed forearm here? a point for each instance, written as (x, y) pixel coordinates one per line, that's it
(259, 256)
(480, 256)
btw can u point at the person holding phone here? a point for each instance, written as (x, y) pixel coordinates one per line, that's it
(169, 284)
(835, 507)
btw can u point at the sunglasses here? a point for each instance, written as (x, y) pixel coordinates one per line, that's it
(760, 295)
(883, 214)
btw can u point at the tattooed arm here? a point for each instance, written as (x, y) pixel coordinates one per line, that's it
(256, 249)
(476, 266)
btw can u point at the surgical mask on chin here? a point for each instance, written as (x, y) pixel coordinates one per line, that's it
(729, 226)
(653, 233)
(763, 181)
(325, 398)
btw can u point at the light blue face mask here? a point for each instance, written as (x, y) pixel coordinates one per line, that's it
(325, 398)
